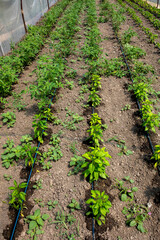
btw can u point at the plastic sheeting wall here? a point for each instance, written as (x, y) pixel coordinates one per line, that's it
(11, 22)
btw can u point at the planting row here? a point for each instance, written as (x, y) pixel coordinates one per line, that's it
(25, 51)
(152, 37)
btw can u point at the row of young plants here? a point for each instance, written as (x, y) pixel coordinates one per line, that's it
(142, 84)
(26, 50)
(147, 14)
(95, 160)
(50, 73)
(135, 213)
(152, 37)
(148, 7)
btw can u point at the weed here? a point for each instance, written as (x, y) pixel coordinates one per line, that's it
(125, 193)
(77, 162)
(136, 215)
(9, 118)
(36, 222)
(7, 177)
(51, 204)
(38, 184)
(74, 205)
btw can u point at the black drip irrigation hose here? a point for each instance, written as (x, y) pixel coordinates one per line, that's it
(138, 104)
(29, 177)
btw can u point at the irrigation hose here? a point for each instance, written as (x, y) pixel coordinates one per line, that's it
(29, 177)
(138, 104)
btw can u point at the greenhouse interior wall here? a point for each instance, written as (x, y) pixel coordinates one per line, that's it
(11, 22)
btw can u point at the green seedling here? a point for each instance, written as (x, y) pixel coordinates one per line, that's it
(124, 151)
(9, 118)
(136, 215)
(3, 102)
(36, 222)
(77, 162)
(17, 102)
(26, 139)
(71, 74)
(62, 219)
(17, 196)
(38, 184)
(7, 177)
(46, 166)
(127, 35)
(125, 194)
(72, 147)
(99, 205)
(55, 139)
(11, 154)
(69, 84)
(74, 205)
(51, 204)
(39, 202)
(126, 107)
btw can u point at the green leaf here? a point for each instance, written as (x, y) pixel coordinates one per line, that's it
(132, 223)
(45, 216)
(124, 197)
(40, 221)
(134, 189)
(37, 212)
(32, 225)
(141, 228)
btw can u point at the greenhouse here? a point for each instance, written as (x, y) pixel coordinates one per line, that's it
(79, 119)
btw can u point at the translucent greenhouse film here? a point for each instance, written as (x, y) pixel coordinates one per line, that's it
(13, 14)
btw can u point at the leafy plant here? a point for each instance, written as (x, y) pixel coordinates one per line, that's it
(29, 154)
(95, 163)
(40, 127)
(125, 193)
(11, 153)
(77, 162)
(136, 215)
(26, 139)
(150, 119)
(133, 52)
(7, 177)
(52, 204)
(9, 118)
(94, 98)
(36, 222)
(39, 202)
(17, 196)
(38, 184)
(74, 205)
(156, 156)
(127, 35)
(69, 84)
(126, 107)
(72, 73)
(62, 219)
(99, 205)
(96, 134)
(17, 102)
